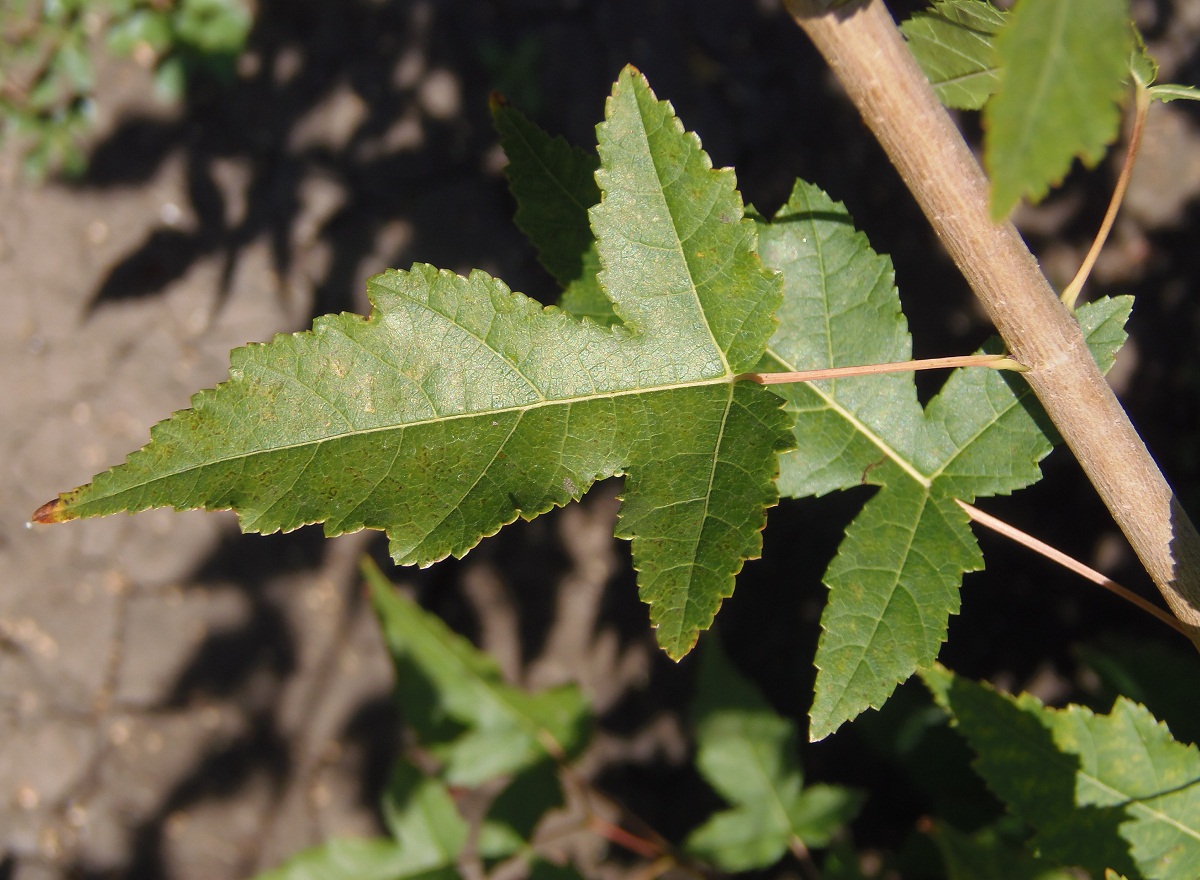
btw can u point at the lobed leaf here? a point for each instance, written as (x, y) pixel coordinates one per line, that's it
(459, 405)
(840, 308)
(748, 753)
(954, 42)
(894, 582)
(1063, 70)
(1102, 792)
(428, 835)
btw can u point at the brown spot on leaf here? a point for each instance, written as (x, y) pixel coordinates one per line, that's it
(50, 512)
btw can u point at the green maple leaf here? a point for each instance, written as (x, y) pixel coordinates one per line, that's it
(894, 582)
(748, 753)
(1064, 66)
(954, 42)
(428, 833)
(895, 579)
(1102, 792)
(460, 405)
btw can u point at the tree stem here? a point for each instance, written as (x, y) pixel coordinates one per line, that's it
(867, 53)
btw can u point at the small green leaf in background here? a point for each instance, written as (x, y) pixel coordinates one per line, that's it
(749, 754)
(514, 814)
(47, 55)
(554, 185)
(422, 817)
(954, 42)
(540, 869)
(428, 835)
(453, 696)
(1064, 66)
(460, 405)
(1100, 791)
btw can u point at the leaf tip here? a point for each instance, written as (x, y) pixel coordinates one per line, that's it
(52, 512)
(497, 101)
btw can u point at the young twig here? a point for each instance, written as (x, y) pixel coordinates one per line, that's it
(1141, 104)
(994, 361)
(1068, 562)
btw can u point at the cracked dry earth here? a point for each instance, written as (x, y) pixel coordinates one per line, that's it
(180, 701)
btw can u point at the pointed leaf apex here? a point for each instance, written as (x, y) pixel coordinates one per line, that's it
(52, 512)
(497, 101)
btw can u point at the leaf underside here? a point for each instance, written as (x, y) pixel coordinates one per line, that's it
(1102, 792)
(954, 42)
(458, 405)
(1063, 70)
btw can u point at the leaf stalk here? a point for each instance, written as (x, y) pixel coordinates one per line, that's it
(994, 361)
(1069, 562)
(1142, 99)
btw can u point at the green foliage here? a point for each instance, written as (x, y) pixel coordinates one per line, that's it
(455, 700)
(476, 729)
(1160, 676)
(554, 184)
(47, 53)
(954, 42)
(1172, 92)
(985, 855)
(1101, 791)
(428, 835)
(749, 754)
(460, 405)
(1049, 78)
(472, 730)
(894, 582)
(1063, 72)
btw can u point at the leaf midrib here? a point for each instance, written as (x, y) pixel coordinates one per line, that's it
(362, 432)
(661, 192)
